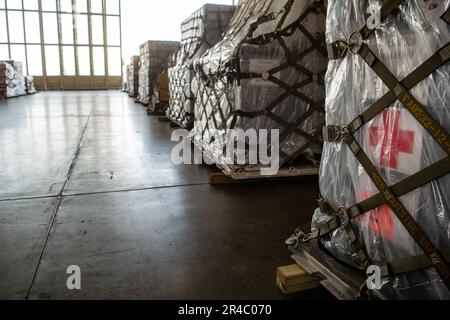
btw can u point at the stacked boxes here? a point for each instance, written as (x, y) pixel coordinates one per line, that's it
(133, 77)
(12, 80)
(390, 158)
(161, 92)
(202, 30)
(126, 84)
(155, 58)
(267, 73)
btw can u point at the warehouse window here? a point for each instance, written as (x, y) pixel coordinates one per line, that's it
(84, 62)
(69, 61)
(79, 37)
(34, 53)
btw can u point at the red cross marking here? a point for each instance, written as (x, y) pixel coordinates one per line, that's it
(394, 140)
(381, 219)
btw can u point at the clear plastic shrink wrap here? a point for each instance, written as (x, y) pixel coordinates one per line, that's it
(133, 76)
(3, 84)
(13, 83)
(126, 83)
(202, 30)
(394, 141)
(155, 57)
(267, 73)
(31, 89)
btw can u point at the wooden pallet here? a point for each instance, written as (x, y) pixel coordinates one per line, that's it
(164, 119)
(341, 281)
(178, 124)
(293, 279)
(225, 177)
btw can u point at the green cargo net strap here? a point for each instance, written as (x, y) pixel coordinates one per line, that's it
(446, 16)
(400, 211)
(437, 132)
(401, 92)
(414, 182)
(406, 98)
(339, 49)
(441, 57)
(402, 188)
(410, 264)
(334, 133)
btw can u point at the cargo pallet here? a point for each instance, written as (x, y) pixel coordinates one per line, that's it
(343, 282)
(156, 110)
(18, 96)
(179, 124)
(232, 174)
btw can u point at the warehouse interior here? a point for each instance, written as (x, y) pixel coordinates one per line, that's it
(224, 150)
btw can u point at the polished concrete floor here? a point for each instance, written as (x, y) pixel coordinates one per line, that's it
(86, 179)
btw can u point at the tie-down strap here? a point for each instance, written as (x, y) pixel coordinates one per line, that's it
(397, 91)
(338, 49)
(410, 264)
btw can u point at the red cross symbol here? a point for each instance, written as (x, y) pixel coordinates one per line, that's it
(393, 139)
(381, 219)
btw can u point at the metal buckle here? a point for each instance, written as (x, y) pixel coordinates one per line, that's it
(351, 45)
(334, 133)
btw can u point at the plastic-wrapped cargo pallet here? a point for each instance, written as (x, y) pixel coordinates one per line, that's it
(202, 30)
(133, 77)
(126, 83)
(387, 149)
(3, 84)
(155, 58)
(31, 89)
(13, 80)
(161, 95)
(267, 73)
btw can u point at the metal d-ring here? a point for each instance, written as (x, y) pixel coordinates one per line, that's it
(350, 44)
(345, 131)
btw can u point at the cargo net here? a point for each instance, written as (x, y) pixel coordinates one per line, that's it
(181, 98)
(267, 74)
(155, 59)
(395, 165)
(200, 32)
